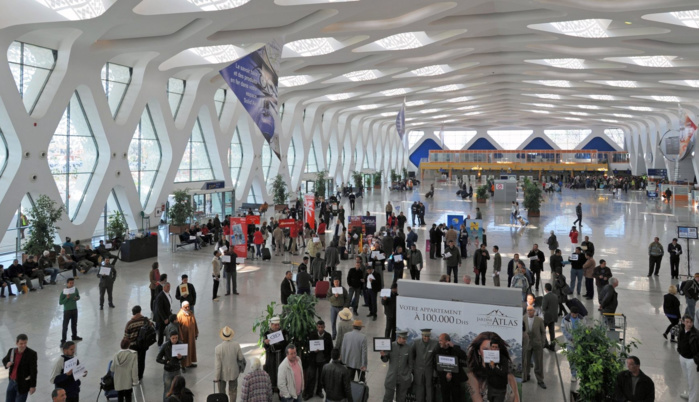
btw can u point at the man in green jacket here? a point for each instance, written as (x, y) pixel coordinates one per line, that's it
(68, 299)
(453, 259)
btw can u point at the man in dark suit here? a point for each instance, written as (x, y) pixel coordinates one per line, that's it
(536, 331)
(374, 286)
(317, 360)
(644, 390)
(550, 309)
(536, 264)
(22, 363)
(163, 310)
(288, 287)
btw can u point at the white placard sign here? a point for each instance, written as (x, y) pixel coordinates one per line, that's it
(223, 249)
(275, 337)
(79, 371)
(68, 291)
(318, 345)
(447, 360)
(382, 344)
(108, 246)
(385, 292)
(316, 240)
(226, 258)
(447, 255)
(70, 364)
(574, 257)
(380, 257)
(180, 349)
(105, 271)
(240, 260)
(397, 258)
(491, 356)
(337, 291)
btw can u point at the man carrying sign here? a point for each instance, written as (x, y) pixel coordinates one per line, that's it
(274, 350)
(321, 344)
(107, 275)
(450, 374)
(400, 369)
(63, 376)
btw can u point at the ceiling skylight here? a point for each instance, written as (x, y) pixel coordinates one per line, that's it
(572, 118)
(625, 116)
(386, 114)
(469, 107)
(602, 97)
(545, 96)
(368, 107)
(654, 61)
(218, 54)
(552, 83)
(311, 47)
(609, 120)
(401, 41)
(362, 75)
(441, 116)
(593, 107)
(217, 5)
(540, 111)
(617, 83)
(686, 83)
(396, 91)
(415, 103)
(688, 18)
(665, 98)
(571, 64)
(641, 108)
(579, 113)
(459, 99)
(472, 113)
(425, 111)
(542, 104)
(339, 97)
(447, 88)
(78, 10)
(430, 71)
(583, 28)
(295, 80)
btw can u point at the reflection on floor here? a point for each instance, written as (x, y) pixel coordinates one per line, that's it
(620, 228)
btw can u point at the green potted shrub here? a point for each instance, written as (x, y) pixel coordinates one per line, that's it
(482, 193)
(279, 190)
(116, 226)
(181, 211)
(43, 215)
(321, 180)
(394, 176)
(357, 178)
(298, 318)
(405, 174)
(377, 179)
(598, 360)
(532, 198)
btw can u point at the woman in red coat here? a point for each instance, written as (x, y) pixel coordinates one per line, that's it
(573, 235)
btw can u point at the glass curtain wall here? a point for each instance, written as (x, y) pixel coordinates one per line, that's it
(144, 156)
(31, 67)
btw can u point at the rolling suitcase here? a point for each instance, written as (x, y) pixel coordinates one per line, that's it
(266, 255)
(360, 392)
(322, 288)
(217, 397)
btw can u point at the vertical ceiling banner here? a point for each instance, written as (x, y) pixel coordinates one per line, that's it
(254, 80)
(400, 122)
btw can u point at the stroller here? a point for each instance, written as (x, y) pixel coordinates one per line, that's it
(107, 385)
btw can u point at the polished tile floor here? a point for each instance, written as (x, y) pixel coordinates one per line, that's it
(620, 228)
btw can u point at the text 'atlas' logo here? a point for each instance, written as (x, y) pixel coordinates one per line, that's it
(497, 318)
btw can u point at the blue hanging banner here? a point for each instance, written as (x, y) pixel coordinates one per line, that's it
(400, 122)
(254, 80)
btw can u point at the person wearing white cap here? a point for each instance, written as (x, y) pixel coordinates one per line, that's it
(189, 332)
(229, 363)
(274, 352)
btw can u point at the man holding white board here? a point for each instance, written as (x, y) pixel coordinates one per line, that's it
(320, 346)
(449, 359)
(107, 275)
(170, 356)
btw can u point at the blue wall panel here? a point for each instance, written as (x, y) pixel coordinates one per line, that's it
(482, 144)
(423, 151)
(537, 144)
(599, 144)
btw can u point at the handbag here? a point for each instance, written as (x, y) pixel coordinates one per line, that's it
(567, 290)
(675, 330)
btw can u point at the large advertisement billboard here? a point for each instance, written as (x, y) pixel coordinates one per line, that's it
(239, 236)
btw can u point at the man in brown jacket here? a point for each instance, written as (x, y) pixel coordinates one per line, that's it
(451, 235)
(588, 272)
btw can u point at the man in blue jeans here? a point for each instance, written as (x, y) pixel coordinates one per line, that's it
(22, 364)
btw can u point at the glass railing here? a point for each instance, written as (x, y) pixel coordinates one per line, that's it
(528, 156)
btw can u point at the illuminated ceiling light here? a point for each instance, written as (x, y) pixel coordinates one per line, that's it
(78, 10)
(430, 71)
(218, 54)
(545, 96)
(469, 107)
(592, 28)
(542, 104)
(408, 119)
(593, 107)
(295, 80)
(368, 107)
(415, 103)
(441, 116)
(626, 116)
(602, 97)
(579, 113)
(217, 5)
(394, 92)
(572, 118)
(472, 113)
(450, 121)
(689, 18)
(689, 83)
(311, 47)
(361, 75)
(339, 97)
(609, 120)
(641, 108)
(447, 88)
(665, 98)
(386, 114)
(425, 111)
(627, 22)
(540, 111)
(459, 99)
(653, 61)
(401, 41)
(552, 83)
(571, 64)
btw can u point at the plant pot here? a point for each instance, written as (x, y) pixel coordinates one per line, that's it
(377, 186)
(481, 200)
(533, 214)
(178, 229)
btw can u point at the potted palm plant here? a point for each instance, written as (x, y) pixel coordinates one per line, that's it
(279, 190)
(181, 211)
(482, 194)
(532, 198)
(377, 179)
(321, 179)
(357, 178)
(116, 226)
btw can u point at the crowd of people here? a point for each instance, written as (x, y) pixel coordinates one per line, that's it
(379, 260)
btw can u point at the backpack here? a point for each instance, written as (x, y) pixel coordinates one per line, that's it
(691, 289)
(146, 335)
(107, 382)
